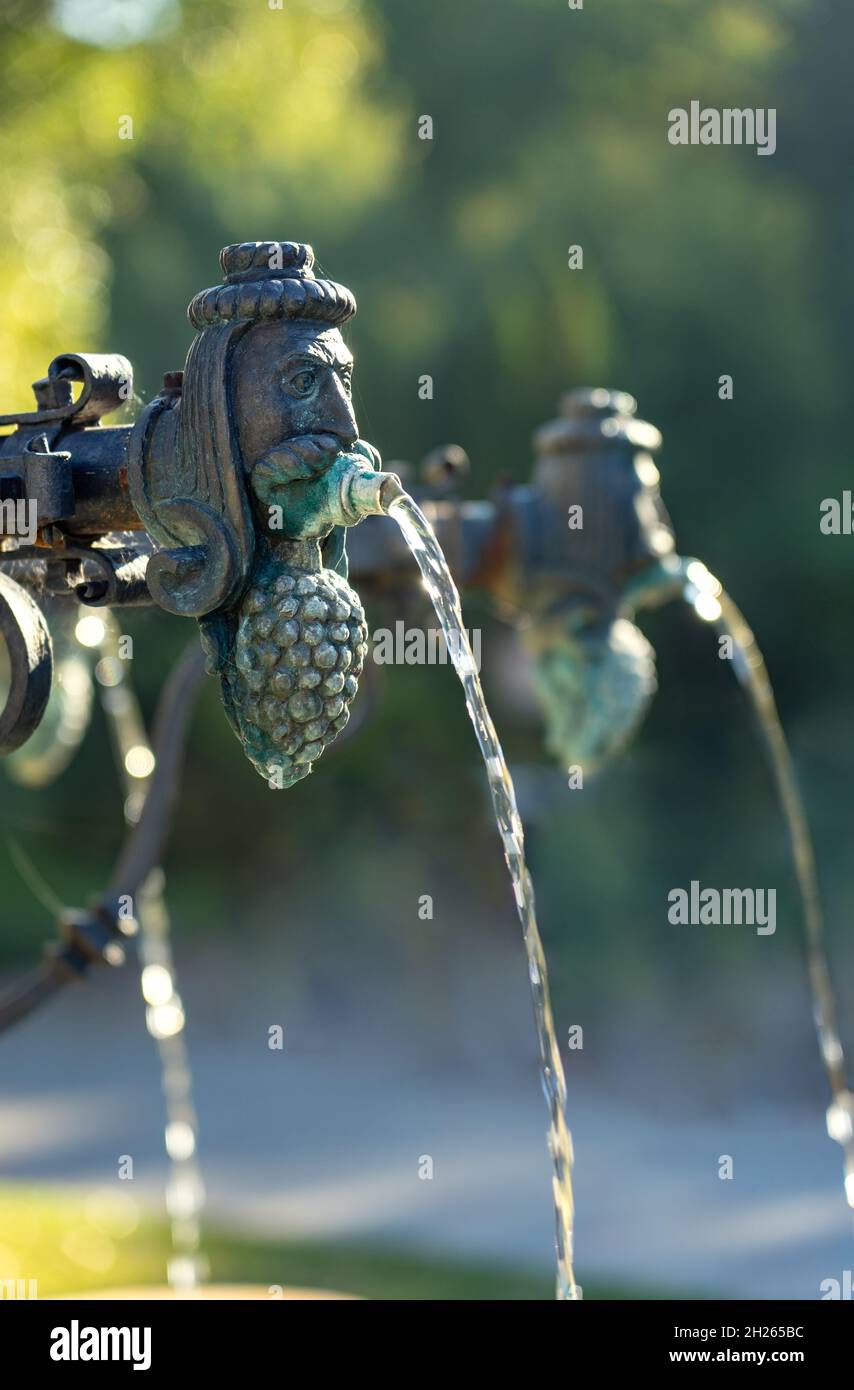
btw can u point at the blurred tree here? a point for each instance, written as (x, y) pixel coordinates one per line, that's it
(549, 130)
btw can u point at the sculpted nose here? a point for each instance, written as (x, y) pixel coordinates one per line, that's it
(338, 417)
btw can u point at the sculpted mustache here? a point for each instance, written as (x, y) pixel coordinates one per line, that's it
(303, 455)
(297, 459)
(303, 458)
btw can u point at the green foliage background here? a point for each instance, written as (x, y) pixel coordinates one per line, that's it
(550, 129)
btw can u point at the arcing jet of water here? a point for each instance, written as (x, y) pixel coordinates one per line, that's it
(576, 601)
(164, 1010)
(712, 604)
(442, 590)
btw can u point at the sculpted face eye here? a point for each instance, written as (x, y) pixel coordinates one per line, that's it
(346, 375)
(302, 382)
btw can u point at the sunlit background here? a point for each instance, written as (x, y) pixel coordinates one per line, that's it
(406, 1037)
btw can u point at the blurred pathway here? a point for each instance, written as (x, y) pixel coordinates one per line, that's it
(325, 1137)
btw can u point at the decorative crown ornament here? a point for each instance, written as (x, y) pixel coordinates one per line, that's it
(269, 280)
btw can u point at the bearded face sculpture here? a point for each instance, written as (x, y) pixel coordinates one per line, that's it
(247, 473)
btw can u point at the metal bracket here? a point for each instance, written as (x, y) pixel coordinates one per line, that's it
(107, 384)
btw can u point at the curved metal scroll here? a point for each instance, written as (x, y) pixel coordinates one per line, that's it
(27, 639)
(56, 741)
(195, 578)
(186, 480)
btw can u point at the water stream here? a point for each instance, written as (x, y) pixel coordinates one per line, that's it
(440, 585)
(164, 1012)
(713, 604)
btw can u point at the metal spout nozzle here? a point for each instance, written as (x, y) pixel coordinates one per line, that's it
(365, 492)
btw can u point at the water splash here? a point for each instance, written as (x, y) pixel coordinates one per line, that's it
(439, 584)
(713, 604)
(164, 1011)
